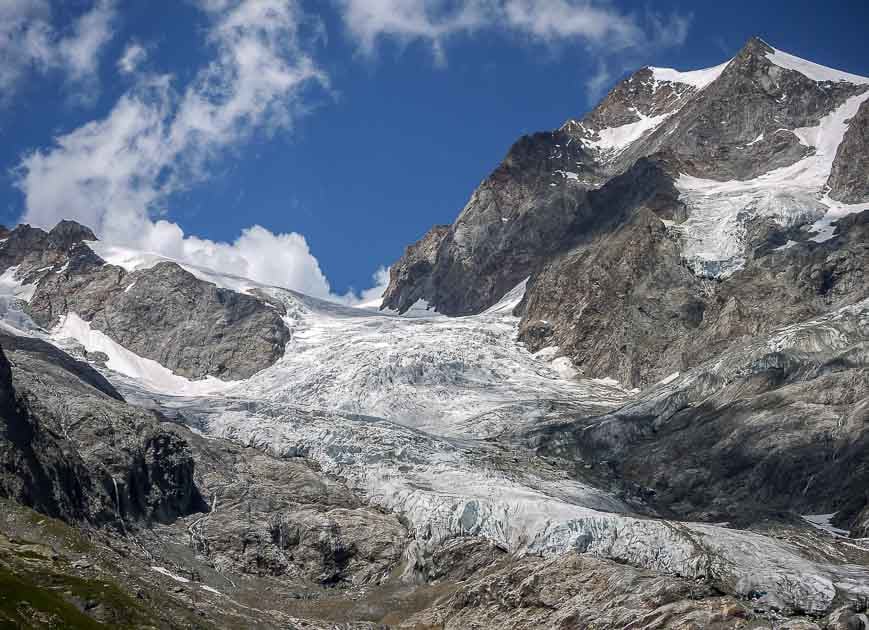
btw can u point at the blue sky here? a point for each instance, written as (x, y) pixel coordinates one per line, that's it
(344, 128)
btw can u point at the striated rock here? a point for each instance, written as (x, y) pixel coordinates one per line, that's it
(574, 591)
(848, 181)
(73, 449)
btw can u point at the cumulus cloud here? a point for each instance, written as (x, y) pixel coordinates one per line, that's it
(30, 41)
(116, 173)
(370, 297)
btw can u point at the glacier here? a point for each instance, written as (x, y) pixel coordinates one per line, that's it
(405, 409)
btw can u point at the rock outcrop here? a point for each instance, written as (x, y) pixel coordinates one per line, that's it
(163, 312)
(74, 450)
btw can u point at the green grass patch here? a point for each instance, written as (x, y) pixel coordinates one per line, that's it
(35, 599)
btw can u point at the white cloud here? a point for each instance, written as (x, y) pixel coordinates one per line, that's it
(599, 81)
(132, 59)
(407, 20)
(596, 24)
(370, 297)
(29, 41)
(115, 173)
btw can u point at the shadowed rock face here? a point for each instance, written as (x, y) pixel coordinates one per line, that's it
(163, 313)
(625, 306)
(524, 207)
(73, 449)
(849, 181)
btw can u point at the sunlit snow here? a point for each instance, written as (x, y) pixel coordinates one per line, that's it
(813, 71)
(714, 233)
(695, 78)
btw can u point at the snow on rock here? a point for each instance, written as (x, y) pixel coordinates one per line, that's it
(13, 319)
(814, 71)
(147, 371)
(447, 487)
(823, 522)
(12, 287)
(713, 236)
(135, 260)
(825, 226)
(698, 79)
(669, 379)
(169, 574)
(427, 372)
(400, 408)
(756, 140)
(614, 140)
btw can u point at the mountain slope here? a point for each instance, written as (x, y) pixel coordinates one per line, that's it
(652, 411)
(667, 218)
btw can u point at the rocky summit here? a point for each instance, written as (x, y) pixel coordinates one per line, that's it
(627, 388)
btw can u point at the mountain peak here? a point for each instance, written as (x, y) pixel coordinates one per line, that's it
(66, 233)
(755, 46)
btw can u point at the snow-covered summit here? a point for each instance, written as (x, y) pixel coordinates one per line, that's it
(812, 70)
(697, 79)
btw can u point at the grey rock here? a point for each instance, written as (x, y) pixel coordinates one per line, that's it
(517, 219)
(524, 207)
(163, 313)
(762, 431)
(72, 449)
(711, 134)
(849, 181)
(281, 518)
(575, 591)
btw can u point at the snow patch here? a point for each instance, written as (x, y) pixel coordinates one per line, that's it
(825, 227)
(756, 140)
(714, 233)
(617, 139)
(698, 79)
(147, 371)
(822, 522)
(169, 574)
(669, 379)
(563, 366)
(135, 260)
(813, 71)
(11, 287)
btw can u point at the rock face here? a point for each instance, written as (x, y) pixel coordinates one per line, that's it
(656, 228)
(762, 430)
(164, 312)
(848, 181)
(573, 591)
(514, 210)
(73, 449)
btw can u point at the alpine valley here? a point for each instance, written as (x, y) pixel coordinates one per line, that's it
(627, 388)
